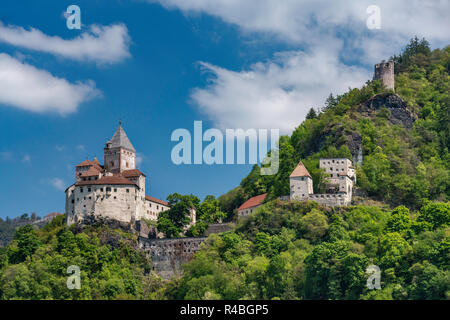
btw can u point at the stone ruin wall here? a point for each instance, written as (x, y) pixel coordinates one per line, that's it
(168, 255)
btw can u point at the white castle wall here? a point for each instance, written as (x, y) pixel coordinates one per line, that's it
(330, 200)
(153, 209)
(118, 202)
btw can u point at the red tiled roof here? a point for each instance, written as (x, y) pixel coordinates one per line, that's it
(253, 202)
(106, 180)
(92, 172)
(132, 173)
(88, 163)
(53, 214)
(300, 171)
(152, 199)
(85, 163)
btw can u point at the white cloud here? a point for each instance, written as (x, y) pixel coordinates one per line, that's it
(139, 158)
(303, 22)
(26, 158)
(80, 147)
(57, 183)
(290, 17)
(100, 44)
(26, 87)
(277, 93)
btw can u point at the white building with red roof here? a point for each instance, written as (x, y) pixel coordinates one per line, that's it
(251, 205)
(115, 190)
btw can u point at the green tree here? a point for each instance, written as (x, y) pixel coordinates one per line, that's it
(314, 225)
(27, 243)
(437, 214)
(311, 114)
(173, 221)
(209, 210)
(399, 220)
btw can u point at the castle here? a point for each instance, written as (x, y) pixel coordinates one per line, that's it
(385, 72)
(112, 191)
(339, 184)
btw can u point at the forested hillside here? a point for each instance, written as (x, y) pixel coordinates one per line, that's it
(300, 251)
(405, 139)
(291, 250)
(8, 226)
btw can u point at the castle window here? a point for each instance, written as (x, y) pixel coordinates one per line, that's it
(332, 161)
(90, 198)
(101, 189)
(115, 189)
(128, 190)
(108, 189)
(89, 189)
(81, 190)
(73, 201)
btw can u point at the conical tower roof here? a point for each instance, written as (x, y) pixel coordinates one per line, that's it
(120, 139)
(300, 171)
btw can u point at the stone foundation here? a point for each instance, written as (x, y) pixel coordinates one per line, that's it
(168, 255)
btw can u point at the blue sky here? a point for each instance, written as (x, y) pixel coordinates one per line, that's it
(160, 65)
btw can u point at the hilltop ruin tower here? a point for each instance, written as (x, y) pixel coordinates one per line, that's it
(385, 72)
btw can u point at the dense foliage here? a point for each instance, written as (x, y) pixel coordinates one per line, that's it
(175, 221)
(9, 226)
(302, 251)
(34, 265)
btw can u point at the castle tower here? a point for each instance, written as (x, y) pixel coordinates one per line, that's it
(119, 153)
(301, 183)
(385, 72)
